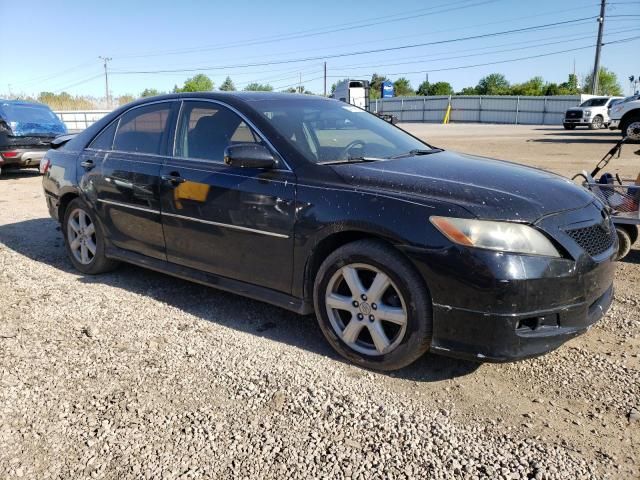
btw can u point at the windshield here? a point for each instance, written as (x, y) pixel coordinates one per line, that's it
(31, 119)
(24, 113)
(595, 102)
(329, 131)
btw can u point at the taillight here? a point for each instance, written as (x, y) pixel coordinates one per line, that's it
(9, 154)
(45, 165)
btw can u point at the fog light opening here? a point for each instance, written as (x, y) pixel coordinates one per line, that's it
(532, 323)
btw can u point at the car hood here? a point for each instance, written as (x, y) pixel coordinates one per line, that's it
(488, 188)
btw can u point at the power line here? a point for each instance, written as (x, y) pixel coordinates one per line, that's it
(86, 80)
(492, 52)
(461, 67)
(430, 33)
(445, 7)
(60, 73)
(362, 52)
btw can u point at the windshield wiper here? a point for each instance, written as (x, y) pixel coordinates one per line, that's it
(352, 160)
(416, 152)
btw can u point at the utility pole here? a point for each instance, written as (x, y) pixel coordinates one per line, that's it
(596, 67)
(106, 79)
(325, 79)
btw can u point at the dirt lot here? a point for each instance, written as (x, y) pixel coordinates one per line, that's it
(135, 374)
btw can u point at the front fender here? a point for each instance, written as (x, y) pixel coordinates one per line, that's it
(324, 212)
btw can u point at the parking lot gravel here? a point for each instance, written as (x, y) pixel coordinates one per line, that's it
(136, 374)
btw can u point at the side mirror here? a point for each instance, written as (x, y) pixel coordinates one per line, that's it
(248, 155)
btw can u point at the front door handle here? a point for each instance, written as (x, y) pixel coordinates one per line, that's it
(173, 178)
(87, 164)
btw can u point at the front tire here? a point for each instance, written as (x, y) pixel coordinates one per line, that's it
(372, 306)
(84, 239)
(596, 123)
(630, 128)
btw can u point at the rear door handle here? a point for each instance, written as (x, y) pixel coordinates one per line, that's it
(173, 178)
(87, 164)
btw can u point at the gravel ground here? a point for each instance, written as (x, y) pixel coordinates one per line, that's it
(135, 374)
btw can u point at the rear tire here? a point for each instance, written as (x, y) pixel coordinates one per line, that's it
(84, 239)
(568, 126)
(624, 242)
(372, 306)
(596, 123)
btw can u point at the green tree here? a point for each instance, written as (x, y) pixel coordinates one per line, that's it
(607, 83)
(533, 87)
(375, 86)
(468, 91)
(149, 92)
(402, 87)
(423, 89)
(227, 85)
(572, 83)
(197, 83)
(258, 87)
(552, 89)
(432, 89)
(493, 84)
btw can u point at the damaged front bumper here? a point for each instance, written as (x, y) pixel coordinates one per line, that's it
(499, 306)
(488, 337)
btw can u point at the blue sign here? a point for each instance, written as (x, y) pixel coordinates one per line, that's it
(387, 89)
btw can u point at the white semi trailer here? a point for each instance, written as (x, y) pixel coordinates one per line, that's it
(355, 92)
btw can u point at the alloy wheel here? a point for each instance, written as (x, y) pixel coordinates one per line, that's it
(81, 235)
(366, 309)
(633, 130)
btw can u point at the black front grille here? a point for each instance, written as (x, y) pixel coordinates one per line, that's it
(573, 114)
(595, 239)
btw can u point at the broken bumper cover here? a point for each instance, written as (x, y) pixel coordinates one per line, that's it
(502, 338)
(496, 307)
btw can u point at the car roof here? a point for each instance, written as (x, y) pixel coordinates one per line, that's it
(242, 96)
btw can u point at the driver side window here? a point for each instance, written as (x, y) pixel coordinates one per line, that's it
(205, 129)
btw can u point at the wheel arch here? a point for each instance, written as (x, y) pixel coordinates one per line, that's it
(64, 202)
(330, 243)
(630, 114)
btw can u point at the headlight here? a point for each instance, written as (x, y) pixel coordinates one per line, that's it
(500, 236)
(587, 113)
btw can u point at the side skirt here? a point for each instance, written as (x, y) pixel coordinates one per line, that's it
(255, 292)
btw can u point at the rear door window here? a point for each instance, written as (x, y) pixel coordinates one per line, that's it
(143, 129)
(104, 140)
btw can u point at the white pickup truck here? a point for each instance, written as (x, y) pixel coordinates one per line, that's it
(591, 113)
(625, 116)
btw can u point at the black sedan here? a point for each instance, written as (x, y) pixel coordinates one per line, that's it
(315, 205)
